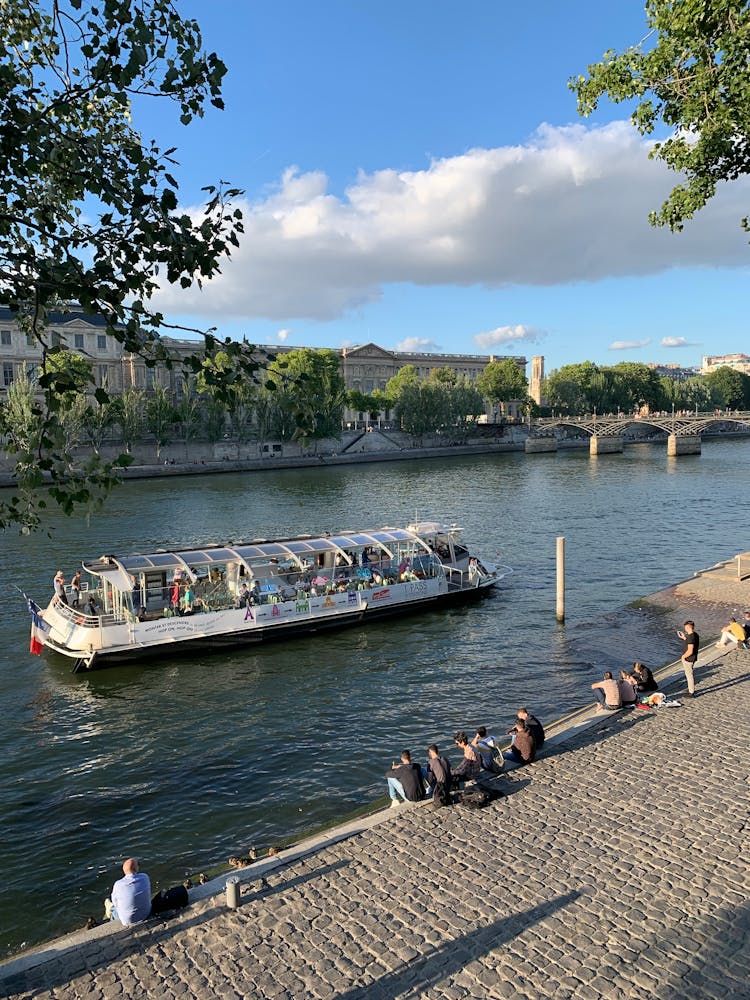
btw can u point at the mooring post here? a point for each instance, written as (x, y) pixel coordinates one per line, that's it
(561, 578)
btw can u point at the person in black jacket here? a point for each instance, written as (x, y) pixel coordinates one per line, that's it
(405, 779)
(644, 678)
(533, 725)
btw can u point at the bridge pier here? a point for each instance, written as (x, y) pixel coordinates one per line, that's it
(605, 444)
(535, 446)
(683, 444)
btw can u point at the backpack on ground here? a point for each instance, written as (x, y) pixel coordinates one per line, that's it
(175, 898)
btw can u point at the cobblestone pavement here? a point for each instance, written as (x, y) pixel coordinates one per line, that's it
(617, 866)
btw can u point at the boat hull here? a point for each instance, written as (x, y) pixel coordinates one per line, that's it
(175, 638)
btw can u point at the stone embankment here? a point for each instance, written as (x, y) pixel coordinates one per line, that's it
(615, 867)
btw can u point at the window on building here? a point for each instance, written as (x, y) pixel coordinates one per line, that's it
(7, 373)
(57, 338)
(150, 378)
(5, 338)
(101, 342)
(30, 341)
(32, 371)
(102, 375)
(78, 341)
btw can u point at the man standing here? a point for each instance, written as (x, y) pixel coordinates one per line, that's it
(131, 895)
(692, 642)
(405, 779)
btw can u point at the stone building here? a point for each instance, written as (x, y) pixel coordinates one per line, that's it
(366, 367)
(739, 362)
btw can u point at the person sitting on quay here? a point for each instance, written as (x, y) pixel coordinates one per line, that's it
(645, 682)
(732, 634)
(533, 725)
(607, 693)
(486, 746)
(405, 779)
(471, 765)
(439, 776)
(746, 629)
(522, 749)
(131, 896)
(628, 688)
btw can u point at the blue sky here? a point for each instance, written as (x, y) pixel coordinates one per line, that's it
(416, 175)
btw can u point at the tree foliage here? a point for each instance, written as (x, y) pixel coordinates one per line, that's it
(729, 388)
(88, 206)
(690, 73)
(311, 390)
(501, 381)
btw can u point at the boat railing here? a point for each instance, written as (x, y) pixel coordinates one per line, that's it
(77, 616)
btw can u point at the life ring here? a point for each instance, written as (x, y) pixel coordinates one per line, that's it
(80, 620)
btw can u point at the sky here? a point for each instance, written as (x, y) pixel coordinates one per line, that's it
(416, 175)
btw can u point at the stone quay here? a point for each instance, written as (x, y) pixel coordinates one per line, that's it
(616, 866)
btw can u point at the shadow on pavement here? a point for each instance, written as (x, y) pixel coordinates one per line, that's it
(437, 964)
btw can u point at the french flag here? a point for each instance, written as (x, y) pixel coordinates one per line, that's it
(38, 627)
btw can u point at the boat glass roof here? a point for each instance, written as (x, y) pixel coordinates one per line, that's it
(294, 547)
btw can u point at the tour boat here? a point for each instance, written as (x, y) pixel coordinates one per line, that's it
(216, 596)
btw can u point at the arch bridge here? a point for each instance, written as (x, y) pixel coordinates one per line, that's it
(606, 432)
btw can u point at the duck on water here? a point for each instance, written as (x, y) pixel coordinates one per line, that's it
(214, 596)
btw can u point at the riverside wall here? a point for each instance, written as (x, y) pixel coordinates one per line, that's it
(616, 866)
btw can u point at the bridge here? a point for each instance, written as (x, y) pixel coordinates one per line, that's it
(607, 432)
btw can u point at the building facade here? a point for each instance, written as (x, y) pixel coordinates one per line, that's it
(739, 362)
(366, 368)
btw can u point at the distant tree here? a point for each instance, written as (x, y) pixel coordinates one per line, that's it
(502, 381)
(100, 419)
(444, 376)
(160, 417)
(635, 385)
(729, 388)
(405, 376)
(690, 72)
(467, 403)
(311, 382)
(213, 417)
(73, 420)
(187, 415)
(130, 416)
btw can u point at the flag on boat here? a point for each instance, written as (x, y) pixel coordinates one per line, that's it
(38, 627)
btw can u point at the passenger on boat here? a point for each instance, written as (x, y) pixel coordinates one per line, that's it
(186, 600)
(244, 596)
(75, 590)
(90, 607)
(59, 584)
(174, 599)
(405, 779)
(471, 765)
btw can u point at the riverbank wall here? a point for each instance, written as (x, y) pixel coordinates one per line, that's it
(395, 447)
(615, 866)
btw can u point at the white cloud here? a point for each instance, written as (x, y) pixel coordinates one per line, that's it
(283, 335)
(677, 342)
(569, 205)
(628, 345)
(506, 335)
(414, 345)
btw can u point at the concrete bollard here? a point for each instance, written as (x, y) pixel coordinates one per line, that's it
(233, 893)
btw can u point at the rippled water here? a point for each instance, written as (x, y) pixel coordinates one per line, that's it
(186, 761)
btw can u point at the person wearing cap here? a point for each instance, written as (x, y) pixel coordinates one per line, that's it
(131, 895)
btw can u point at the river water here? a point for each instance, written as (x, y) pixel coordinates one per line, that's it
(188, 760)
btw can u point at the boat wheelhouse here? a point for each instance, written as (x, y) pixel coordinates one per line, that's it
(222, 595)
